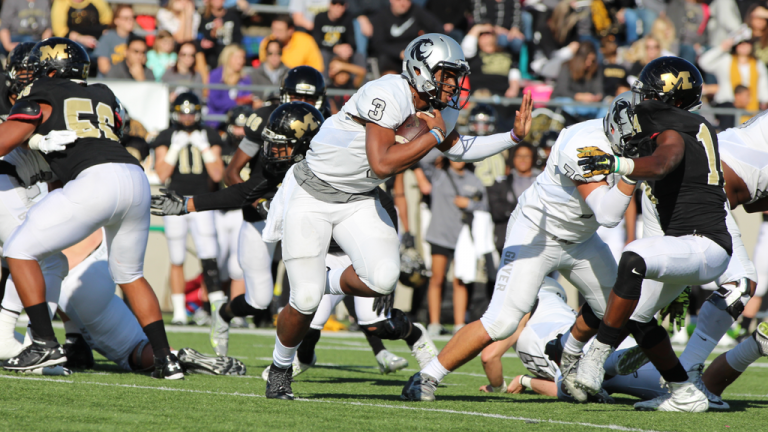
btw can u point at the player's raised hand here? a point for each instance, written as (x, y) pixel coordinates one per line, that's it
(523, 117)
(433, 120)
(594, 161)
(199, 139)
(169, 203)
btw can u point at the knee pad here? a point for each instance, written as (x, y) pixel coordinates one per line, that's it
(211, 274)
(398, 326)
(589, 316)
(647, 335)
(732, 298)
(304, 300)
(385, 277)
(629, 280)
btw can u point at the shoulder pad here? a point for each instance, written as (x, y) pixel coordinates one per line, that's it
(25, 110)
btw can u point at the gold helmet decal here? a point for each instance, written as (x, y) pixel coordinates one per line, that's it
(309, 123)
(671, 80)
(58, 51)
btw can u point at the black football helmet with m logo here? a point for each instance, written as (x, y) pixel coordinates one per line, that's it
(287, 134)
(672, 80)
(64, 56)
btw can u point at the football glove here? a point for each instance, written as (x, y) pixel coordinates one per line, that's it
(262, 207)
(169, 204)
(383, 305)
(407, 240)
(199, 139)
(677, 311)
(54, 141)
(179, 140)
(594, 161)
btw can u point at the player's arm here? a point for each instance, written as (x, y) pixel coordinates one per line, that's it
(631, 217)
(607, 203)
(738, 192)
(538, 385)
(213, 163)
(163, 168)
(232, 173)
(388, 158)
(398, 195)
(460, 148)
(236, 196)
(23, 120)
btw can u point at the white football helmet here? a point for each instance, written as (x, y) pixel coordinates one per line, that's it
(426, 55)
(617, 124)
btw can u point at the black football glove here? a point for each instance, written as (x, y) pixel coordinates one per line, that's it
(383, 305)
(262, 207)
(168, 204)
(594, 161)
(407, 240)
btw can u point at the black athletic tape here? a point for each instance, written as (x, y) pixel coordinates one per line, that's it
(394, 328)
(589, 316)
(211, 275)
(629, 281)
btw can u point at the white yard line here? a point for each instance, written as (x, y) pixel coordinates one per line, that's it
(360, 404)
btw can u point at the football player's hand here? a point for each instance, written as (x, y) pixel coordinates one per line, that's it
(594, 161)
(179, 139)
(262, 207)
(407, 240)
(677, 310)
(433, 119)
(168, 204)
(199, 139)
(383, 305)
(523, 119)
(54, 141)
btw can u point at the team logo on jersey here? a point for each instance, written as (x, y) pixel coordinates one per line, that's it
(58, 51)
(671, 81)
(308, 124)
(421, 51)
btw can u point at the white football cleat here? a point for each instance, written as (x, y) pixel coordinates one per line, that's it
(389, 362)
(298, 367)
(591, 370)
(682, 397)
(424, 349)
(569, 368)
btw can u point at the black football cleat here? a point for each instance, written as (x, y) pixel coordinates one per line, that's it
(279, 383)
(194, 362)
(38, 355)
(168, 367)
(79, 354)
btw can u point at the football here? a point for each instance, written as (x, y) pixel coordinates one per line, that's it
(412, 128)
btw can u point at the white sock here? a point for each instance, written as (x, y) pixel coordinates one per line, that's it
(743, 355)
(571, 345)
(436, 370)
(179, 302)
(216, 296)
(283, 356)
(7, 324)
(698, 348)
(333, 281)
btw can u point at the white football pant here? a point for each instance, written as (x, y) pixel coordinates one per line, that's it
(201, 226)
(228, 233)
(255, 258)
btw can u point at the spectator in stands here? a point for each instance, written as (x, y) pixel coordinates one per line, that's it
(454, 14)
(180, 18)
(363, 9)
(733, 63)
(614, 74)
(456, 193)
(726, 19)
(24, 21)
(299, 48)
(492, 67)
(690, 19)
(271, 72)
(334, 33)
(757, 19)
(162, 55)
(183, 71)
(580, 80)
(396, 26)
(664, 31)
(641, 53)
(219, 27)
(112, 44)
(343, 76)
(741, 97)
(83, 21)
(230, 72)
(133, 66)
(507, 17)
(304, 12)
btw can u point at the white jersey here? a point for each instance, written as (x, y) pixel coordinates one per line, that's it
(30, 166)
(553, 203)
(745, 150)
(551, 318)
(337, 153)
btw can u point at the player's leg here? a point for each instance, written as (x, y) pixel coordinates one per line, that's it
(176, 228)
(643, 383)
(233, 221)
(761, 266)
(529, 255)
(440, 259)
(203, 230)
(726, 368)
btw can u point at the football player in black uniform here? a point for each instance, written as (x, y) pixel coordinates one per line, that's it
(676, 152)
(188, 156)
(104, 186)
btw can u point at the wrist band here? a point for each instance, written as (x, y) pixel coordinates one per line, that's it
(628, 180)
(501, 389)
(34, 142)
(439, 129)
(525, 381)
(208, 156)
(515, 138)
(624, 166)
(436, 135)
(172, 156)
(186, 201)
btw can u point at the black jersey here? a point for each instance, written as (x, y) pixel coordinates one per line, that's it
(89, 110)
(5, 93)
(136, 146)
(690, 199)
(258, 172)
(189, 176)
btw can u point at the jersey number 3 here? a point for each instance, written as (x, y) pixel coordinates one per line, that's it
(715, 171)
(84, 128)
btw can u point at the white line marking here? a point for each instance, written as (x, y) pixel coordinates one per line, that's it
(402, 407)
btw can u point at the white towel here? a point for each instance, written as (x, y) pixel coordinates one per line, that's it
(465, 257)
(482, 233)
(273, 230)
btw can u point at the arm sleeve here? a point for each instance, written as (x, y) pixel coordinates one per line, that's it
(59, 18)
(474, 149)
(608, 205)
(249, 147)
(236, 196)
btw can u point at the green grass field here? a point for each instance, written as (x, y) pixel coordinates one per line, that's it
(345, 392)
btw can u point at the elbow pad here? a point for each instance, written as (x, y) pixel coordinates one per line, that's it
(608, 205)
(25, 110)
(477, 148)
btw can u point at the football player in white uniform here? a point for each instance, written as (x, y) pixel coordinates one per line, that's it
(553, 228)
(335, 194)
